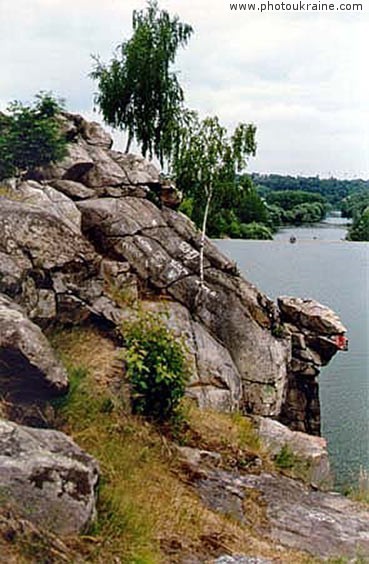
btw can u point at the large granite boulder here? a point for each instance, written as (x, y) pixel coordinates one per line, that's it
(137, 169)
(75, 164)
(50, 199)
(47, 478)
(29, 369)
(215, 381)
(311, 315)
(105, 171)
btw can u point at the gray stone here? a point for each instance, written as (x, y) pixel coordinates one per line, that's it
(50, 199)
(170, 196)
(28, 367)
(215, 382)
(72, 167)
(12, 268)
(47, 477)
(137, 169)
(135, 230)
(105, 171)
(109, 218)
(309, 449)
(326, 525)
(94, 134)
(186, 230)
(247, 352)
(311, 315)
(41, 255)
(194, 457)
(72, 189)
(41, 236)
(218, 382)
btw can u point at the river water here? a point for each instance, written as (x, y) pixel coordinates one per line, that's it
(323, 266)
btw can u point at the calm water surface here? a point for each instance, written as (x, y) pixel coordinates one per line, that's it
(321, 265)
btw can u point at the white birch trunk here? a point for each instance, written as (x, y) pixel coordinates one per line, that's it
(203, 235)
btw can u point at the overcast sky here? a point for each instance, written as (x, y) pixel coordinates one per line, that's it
(302, 78)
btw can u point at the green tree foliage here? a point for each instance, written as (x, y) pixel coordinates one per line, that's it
(235, 204)
(156, 366)
(206, 163)
(354, 204)
(288, 199)
(360, 228)
(30, 136)
(333, 189)
(137, 90)
(255, 230)
(296, 206)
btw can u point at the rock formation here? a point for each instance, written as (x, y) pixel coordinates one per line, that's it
(76, 235)
(314, 330)
(48, 478)
(85, 239)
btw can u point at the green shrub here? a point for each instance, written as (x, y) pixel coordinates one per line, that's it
(156, 366)
(255, 231)
(30, 136)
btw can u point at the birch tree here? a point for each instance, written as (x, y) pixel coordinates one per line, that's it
(206, 159)
(138, 91)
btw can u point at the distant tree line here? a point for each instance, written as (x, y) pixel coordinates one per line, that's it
(306, 199)
(333, 190)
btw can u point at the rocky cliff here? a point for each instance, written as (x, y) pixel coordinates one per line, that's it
(76, 235)
(83, 241)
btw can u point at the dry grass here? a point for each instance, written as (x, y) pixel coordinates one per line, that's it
(89, 348)
(8, 193)
(148, 514)
(360, 491)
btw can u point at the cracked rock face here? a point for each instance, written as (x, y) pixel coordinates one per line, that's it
(167, 257)
(247, 353)
(215, 381)
(325, 525)
(29, 369)
(47, 477)
(44, 262)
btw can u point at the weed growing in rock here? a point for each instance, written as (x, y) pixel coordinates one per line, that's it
(292, 465)
(285, 459)
(359, 491)
(156, 366)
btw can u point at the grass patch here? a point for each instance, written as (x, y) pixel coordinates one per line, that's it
(360, 490)
(232, 435)
(148, 513)
(292, 465)
(142, 503)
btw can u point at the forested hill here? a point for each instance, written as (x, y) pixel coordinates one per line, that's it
(332, 189)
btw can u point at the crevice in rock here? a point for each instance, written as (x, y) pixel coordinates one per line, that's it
(20, 381)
